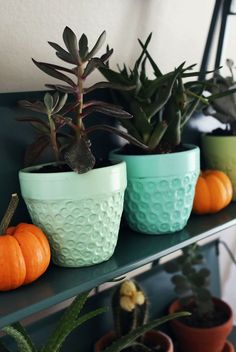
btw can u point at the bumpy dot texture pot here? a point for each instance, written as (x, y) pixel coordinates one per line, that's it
(160, 190)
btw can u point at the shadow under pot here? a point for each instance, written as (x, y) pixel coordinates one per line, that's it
(79, 213)
(160, 190)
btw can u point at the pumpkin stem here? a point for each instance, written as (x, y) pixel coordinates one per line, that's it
(9, 213)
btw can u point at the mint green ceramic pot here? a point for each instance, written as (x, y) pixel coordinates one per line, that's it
(80, 214)
(160, 189)
(219, 153)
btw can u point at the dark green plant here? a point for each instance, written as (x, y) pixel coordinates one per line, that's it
(191, 282)
(224, 109)
(68, 322)
(160, 106)
(76, 150)
(130, 315)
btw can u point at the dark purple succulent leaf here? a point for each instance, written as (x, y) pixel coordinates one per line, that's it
(107, 55)
(79, 156)
(62, 53)
(99, 43)
(48, 102)
(102, 85)
(34, 150)
(45, 67)
(117, 131)
(37, 106)
(107, 109)
(39, 124)
(92, 65)
(71, 43)
(62, 88)
(61, 68)
(83, 47)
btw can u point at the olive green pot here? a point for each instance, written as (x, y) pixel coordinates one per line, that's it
(80, 214)
(160, 191)
(220, 153)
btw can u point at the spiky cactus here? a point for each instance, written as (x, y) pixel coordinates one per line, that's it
(68, 322)
(130, 307)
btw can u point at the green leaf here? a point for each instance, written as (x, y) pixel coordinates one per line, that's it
(60, 104)
(156, 69)
(45, 67)
(70, 41)
(19, 327)
(62, 54)
(48, 101)
(99, 43)
(21, 342)
(127, 340)
(83, 47)
(157, 135)
(115, 77)
(145, 45)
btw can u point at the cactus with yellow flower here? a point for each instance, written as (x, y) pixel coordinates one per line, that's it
(129, 306)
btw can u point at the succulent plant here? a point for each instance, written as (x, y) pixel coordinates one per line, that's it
(130, 315)
(191, 282)
(68, 322)
(161, 106)
(224, 109)
(75, 150)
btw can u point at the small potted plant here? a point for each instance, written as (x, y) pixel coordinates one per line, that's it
(131, 331)
(79, 211)
(219, 145)
(69, 321)
(207, 328)
(162, 178)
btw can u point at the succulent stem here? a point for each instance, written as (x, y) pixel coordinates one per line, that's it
(9, 213)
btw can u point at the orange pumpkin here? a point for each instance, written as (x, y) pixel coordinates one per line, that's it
(213, 192)
(24, 256)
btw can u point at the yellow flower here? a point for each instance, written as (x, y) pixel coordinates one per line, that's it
(130, 296)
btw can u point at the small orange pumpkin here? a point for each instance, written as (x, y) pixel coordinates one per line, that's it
(24, 253)
(213, 192)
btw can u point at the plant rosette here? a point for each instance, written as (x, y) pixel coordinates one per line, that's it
(218, 152)
(160, 190)
(212, 339)
(79, 213)
(152, 339)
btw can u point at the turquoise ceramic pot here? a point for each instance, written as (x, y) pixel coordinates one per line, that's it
(160, 189)
(80, 214)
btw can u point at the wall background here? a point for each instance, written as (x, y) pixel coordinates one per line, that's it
(179, 31)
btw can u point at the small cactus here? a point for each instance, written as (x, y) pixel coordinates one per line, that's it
(129, 306)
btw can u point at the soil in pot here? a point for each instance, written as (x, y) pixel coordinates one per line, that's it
(155, 340)
(61, 167)
(163, 148)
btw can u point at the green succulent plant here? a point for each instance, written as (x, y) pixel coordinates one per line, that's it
(160, 106)
(191, 283)
(130, 316)
(224, 109)
(68, 322)
(75, 149)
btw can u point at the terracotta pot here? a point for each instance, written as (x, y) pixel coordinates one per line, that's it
(153, 337)
(202, 339)
(229, 347)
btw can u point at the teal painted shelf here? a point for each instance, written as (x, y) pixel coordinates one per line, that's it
(133, 251)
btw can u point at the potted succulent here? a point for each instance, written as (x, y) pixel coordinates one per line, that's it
(69, 321)
(132, 332)
(80, 213)
(162, 178)
(207, 328)
(218, 146)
